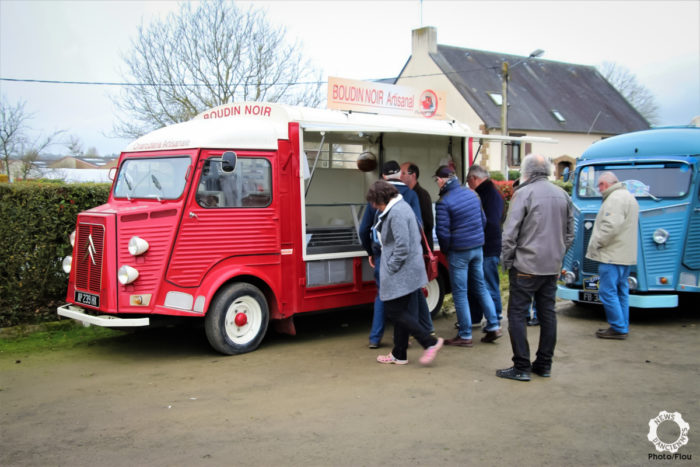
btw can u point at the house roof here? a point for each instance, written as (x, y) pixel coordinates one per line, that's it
(579, 93)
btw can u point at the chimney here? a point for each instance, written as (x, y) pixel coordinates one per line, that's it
(424, 40)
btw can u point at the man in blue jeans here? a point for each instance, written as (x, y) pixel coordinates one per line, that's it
(493, 203)
(460, 230)
(614, 244)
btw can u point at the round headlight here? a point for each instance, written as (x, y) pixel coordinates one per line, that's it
(127, 275)
(137, 246)
(569, 277)
(632, 282)
(72, 238)
(67, 263)
(660, 236)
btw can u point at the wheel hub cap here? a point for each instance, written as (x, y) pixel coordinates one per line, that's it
(241, 319)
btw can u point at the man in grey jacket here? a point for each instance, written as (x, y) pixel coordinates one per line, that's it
(614, 244)
(537, 232)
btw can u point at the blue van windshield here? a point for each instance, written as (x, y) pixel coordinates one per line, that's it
(657, 180)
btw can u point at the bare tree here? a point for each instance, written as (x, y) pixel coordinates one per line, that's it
(92, 152)
(640, 97)
(28, 159)
(75, 146)
(13, 127)
(207, 54)
(15, 141)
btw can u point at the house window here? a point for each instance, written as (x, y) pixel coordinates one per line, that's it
(560, 118)
(496, 97)
(517, 150)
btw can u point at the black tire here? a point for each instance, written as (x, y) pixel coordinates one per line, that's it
(242, 302)
(436, 295)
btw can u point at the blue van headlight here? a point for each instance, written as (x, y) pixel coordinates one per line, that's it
(660, 236)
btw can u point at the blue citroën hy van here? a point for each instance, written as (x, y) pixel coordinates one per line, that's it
(661, 168)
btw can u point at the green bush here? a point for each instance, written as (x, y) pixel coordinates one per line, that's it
(497, 175)
(567, 186)
(37, 219)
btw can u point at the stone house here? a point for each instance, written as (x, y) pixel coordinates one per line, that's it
(573, 104)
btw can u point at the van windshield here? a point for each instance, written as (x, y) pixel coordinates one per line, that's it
(657, 180)
(156, 178)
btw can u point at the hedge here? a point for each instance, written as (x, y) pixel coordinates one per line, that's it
(37, 219)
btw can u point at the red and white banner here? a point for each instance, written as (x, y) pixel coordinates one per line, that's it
(366, 96)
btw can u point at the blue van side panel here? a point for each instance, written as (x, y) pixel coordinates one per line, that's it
(691, 257)
(661, 261)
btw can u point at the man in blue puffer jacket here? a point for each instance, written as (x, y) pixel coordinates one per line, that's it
(460, 222)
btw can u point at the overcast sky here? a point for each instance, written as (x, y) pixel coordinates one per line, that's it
(658, 41)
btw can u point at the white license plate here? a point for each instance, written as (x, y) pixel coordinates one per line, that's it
(88, 299)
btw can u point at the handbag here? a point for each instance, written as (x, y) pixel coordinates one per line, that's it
(431, 261)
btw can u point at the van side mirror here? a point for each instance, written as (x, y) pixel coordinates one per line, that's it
(566, 174)
(228, 161)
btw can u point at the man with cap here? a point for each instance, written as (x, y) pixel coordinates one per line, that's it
(460, 223)
(391, 172)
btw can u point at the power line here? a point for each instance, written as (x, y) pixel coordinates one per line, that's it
(297, 83)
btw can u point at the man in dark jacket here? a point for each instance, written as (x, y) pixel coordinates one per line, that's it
(391, 172)
(460, 225)
(493, 203)
(409, 175)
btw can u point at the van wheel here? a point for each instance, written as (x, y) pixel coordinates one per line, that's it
(237, 319)
(435, 295)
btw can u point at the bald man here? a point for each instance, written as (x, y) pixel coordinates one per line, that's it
(613, 244)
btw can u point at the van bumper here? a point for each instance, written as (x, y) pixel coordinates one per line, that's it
(669, 300)
(78, 313)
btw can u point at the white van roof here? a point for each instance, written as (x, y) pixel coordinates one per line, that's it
(258, 125)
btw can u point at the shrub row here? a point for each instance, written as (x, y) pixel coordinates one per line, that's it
(37, 219)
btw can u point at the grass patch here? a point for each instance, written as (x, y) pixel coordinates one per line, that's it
(51, 336)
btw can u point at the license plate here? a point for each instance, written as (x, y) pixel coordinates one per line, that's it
(591, 283)
(88, 299)
(590, 297)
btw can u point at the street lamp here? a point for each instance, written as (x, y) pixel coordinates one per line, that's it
(505, 75)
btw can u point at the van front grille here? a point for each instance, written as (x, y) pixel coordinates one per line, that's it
(88, 261)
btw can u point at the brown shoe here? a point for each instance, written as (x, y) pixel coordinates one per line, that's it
(492, 335)
(610, 333)
(459, 342)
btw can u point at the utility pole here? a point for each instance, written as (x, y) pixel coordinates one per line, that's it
(505, 75)
(504, 118)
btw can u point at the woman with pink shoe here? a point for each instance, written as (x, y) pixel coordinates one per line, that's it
(401, 272)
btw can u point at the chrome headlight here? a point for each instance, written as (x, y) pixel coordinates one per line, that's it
(632, 282)
(67, 264)
(660, 236)
(137, 246)
(72, 239)
(127, 275)
(569, 277)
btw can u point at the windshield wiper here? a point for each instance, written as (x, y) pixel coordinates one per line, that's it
(158, 186)
(130, 184)
(647, 193)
